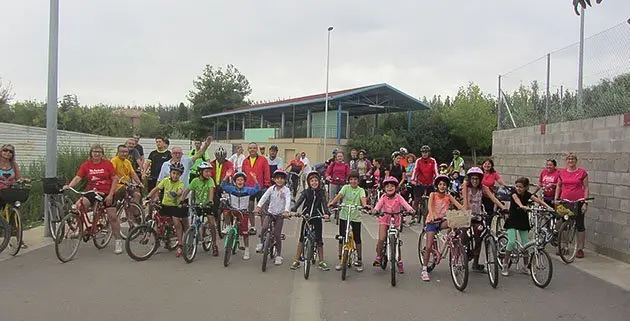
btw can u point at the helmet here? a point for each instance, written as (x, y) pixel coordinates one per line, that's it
(394, 154)
(474, 171)
(279, 171)
(403, 150)
(204, 165)
(443, 165)
(177, 167)
(334, 151)
(441, 178)
(390, 180)
(273, 147)
(425, 148)
(240, 174)
(456, 152)
(220, 153)
(311, 174)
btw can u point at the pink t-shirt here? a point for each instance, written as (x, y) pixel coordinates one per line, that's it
(391, 205)
(489, 179)
(548, 181)
(572, 184)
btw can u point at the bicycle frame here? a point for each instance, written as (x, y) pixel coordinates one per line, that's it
(238, 216)
(90, 229)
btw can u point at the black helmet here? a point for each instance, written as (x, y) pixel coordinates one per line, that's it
(441, 178)
(311, 174)
(177, 167)
(425, 148)
(273, 147)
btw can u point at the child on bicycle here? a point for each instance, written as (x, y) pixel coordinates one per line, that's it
(172, 201)
(279, 198)
(351, 194)
(202, 187)
(313, 200)
(390, 202)
(518, 221)
(239, 200)
(439, 202)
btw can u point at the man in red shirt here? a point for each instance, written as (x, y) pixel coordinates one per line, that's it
(258, 166)
(100, 175)
(423, 175)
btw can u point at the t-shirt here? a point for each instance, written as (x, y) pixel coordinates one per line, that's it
(157, 159)
(296, 166)
(5, 174)
(548, 181)
(397, 171)
(204, 158)
(99, 176)
(458, 165)
(274, 163)
(140, 149)
(441, 204)
(572, 184)
(123, 169)
(134, 155)
(351, 196)
(201, 190)
(363, 166)
(237, 160)
(169, 186)
(489, 179)
(166, 170)
(518, 218)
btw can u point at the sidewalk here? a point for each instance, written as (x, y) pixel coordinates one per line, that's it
(34, 239)
(602, 267)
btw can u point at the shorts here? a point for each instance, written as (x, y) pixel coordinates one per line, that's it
(174, 211)
(356, 230)
(91, 197)
(579, 216)
(419, 190)
(205, 211)
(434, 227)
(317, 224)
(384, 220)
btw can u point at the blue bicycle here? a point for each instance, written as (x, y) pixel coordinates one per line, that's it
(199, 230)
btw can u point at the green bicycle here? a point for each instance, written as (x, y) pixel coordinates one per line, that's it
(231, 237)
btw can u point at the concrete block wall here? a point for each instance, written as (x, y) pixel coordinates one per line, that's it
(603, 149)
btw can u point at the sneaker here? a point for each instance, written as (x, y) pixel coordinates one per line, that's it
(179, 251)
(579, 254)
(505, 271)
(118, 247)
(401, 268)
(425, 276)
(226, 229)
(377, 262)
(215, 250)
(323, 266)
(359, 266)
(252, 230)
(278, 260)
(246, 254)
(24, 246)
(338, 266)
(295, 265)
(259, 247)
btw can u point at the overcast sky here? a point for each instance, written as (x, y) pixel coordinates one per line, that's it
(150, 51)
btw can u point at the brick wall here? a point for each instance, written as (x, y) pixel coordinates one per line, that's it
(603, 149)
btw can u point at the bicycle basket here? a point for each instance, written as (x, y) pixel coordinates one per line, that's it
(563, 210)
(12, 195)
(52, 185)
(458, 219)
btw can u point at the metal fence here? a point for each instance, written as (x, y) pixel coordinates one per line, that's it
(556, 87)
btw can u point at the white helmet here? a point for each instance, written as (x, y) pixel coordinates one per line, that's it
(403, 150)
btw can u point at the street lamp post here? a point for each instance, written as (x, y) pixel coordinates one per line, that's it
(326, 104)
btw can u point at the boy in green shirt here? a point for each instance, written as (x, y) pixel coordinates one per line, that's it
(203, 192)
(351, 194)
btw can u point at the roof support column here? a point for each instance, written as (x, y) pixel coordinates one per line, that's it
(227, 130)
(243, 126)
(339, 123)
(282, 121)
(409, 121)
(308, 123)
(262, 119)
(292, 125)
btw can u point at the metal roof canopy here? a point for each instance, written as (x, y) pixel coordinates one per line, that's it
(368, 100)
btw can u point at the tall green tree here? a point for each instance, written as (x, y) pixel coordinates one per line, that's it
(5, 94)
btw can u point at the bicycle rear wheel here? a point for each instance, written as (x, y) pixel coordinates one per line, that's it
(206, 240)
(190, 244)
(229, 243)
(308, 258)
(422, 243)
(54, 212)
(16, 231)
(492, 265)
(103, 234)
(567, 245)
(71, 230)
(4, 234)
(458, 263)
(142, 235)
(540, 261)
(129, 216)
(392, 257)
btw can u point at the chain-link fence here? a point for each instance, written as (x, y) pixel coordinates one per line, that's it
(547, 90)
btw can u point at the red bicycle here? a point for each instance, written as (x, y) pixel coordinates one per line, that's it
(157, 228)
(82, 224)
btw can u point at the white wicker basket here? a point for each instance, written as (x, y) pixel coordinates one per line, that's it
(458, 219)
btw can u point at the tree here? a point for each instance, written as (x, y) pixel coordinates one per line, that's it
(5, 94)
(68, 102)
(149, 125)
(216, 90)
(583, 4)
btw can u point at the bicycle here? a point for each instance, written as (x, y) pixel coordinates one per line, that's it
(83, 224)
(480, 230)
(393, 244)
(197, 231)
(349, 255)
(269, 241)
(309, 246)
(14, 195)
(567, 245)
(293, 183)
(4, 234)
(232, 240)
(538, 253)
(158, 228)
(124, 205)
(452, 245)
(57, 204)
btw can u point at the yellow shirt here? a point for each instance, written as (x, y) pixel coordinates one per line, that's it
(217, 175)
(252, 160)
(123, 169)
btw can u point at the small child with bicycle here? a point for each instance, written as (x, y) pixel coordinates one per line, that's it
(279, 198)
(390, 202)
(202, 187)
(239, 200)
(440, 202)
(351, 194)
(313, 200)
(171, 201)
(518, 221)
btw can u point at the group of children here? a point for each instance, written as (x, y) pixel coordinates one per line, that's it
(313, 200)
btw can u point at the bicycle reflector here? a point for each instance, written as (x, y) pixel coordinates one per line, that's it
(339, 237)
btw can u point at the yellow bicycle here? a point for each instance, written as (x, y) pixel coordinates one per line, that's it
(13, 196)
(349, 254)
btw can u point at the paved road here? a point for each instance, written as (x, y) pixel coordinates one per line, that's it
(99, 285)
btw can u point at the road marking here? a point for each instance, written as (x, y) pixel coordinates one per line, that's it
(306, 299)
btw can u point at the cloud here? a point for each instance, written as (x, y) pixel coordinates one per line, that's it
(148, 52)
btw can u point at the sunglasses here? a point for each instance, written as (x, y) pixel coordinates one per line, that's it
(8, 150)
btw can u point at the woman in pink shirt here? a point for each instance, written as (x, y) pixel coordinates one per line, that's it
(390, 202)
(548, 181)
(490, 178)
(337, 175)
(573, 186)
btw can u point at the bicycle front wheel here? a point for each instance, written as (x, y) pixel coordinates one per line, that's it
(345, 262)
(189, 247)
(422, 247)
(492, 265)
(16, 229)
(567, 245)
(69, 234)
(459, 266)
(267, 250)
(308, 257)
(145, 238)
(541, 268)
(4, 234)
(392, 258)
(229, 243)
